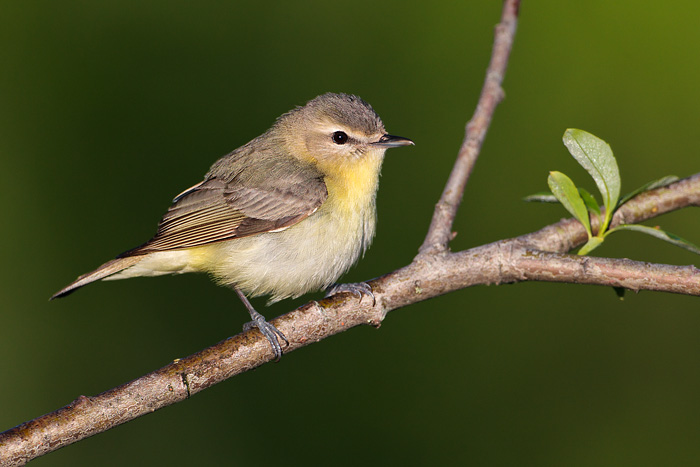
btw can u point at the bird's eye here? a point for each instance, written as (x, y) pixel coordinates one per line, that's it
(340, 137)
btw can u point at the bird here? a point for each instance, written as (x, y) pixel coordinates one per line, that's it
(285, 214)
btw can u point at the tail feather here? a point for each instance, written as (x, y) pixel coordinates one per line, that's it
(107, 269)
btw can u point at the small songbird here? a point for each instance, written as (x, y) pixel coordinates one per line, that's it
(285, 214)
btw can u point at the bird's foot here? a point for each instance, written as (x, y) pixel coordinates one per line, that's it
(358, 289)
(270, 332)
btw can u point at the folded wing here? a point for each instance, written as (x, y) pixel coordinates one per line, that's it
(218, 209)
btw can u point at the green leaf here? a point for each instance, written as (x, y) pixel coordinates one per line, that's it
(541, 197)
(591, 244)
(667, 180)
(597, 158)
(566, 192)
(589, 200)
(660, 234)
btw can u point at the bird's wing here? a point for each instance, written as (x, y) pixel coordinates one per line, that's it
(217, 210)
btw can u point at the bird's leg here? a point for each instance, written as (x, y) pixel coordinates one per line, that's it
(267, 330)
(358, 289)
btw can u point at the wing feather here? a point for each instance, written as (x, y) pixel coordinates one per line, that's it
(217, 210)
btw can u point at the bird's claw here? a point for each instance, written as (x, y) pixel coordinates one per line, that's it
(358, 289)
(271, 333)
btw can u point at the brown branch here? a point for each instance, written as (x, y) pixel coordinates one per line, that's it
(506, 261)
(535, 265)
(440, 230)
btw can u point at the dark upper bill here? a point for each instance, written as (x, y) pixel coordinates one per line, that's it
(391, 141)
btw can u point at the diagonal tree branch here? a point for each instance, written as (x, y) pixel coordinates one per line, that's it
(440, 230)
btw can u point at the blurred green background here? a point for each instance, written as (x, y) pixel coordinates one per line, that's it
(108, 109)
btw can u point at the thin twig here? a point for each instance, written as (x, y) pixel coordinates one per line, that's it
(440, 230)
(569, 233)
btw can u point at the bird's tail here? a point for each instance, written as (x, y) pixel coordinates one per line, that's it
(107, 269)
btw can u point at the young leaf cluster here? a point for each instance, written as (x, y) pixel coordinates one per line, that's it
(595, 155)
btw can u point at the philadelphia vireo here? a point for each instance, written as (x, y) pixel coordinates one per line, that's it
(283, 215)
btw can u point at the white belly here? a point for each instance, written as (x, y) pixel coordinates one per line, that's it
(308, 256)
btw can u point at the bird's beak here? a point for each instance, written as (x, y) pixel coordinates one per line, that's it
(391, 141)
